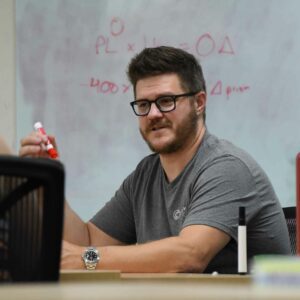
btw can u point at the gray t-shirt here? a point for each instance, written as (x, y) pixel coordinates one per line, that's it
(210, 189)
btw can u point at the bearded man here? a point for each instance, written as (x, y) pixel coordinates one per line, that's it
(178, 210)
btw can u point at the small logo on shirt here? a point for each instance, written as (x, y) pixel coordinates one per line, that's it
(178, 213)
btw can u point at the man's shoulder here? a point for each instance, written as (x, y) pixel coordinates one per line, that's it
(215, 148)
(149, 160)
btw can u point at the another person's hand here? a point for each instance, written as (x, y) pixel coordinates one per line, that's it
(34, 145)
(4, 148)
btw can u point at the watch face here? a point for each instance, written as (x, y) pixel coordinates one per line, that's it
(91, 255)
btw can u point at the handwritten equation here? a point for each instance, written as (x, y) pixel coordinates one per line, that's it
(110, 87)
(203, 46)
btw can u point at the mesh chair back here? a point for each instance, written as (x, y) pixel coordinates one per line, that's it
(290, 218)
(31, 218)
(298, 201)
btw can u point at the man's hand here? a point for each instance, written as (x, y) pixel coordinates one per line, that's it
(34, 145)
(71, 256)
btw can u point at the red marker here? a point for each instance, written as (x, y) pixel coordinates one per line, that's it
(49, 147)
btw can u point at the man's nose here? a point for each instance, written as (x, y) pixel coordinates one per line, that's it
(154, 112)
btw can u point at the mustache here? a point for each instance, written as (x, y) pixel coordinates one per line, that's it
(155, 124)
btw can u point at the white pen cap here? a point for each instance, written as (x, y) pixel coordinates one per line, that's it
(37, 125)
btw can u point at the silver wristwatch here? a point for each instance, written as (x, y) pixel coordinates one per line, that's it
(90, 258)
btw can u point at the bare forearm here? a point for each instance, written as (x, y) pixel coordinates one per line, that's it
(167, 255)
(191, 251)
(75, 230)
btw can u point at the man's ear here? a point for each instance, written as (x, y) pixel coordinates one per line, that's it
(200, 102)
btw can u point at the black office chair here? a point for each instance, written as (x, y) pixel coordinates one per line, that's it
(298, 202)
(31, 218)
(290, 217)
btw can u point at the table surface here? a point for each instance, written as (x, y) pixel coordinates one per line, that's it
(88, 276)
(207, 278)
(78, 284)
(122, 289)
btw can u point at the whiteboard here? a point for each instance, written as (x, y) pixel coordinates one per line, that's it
(71, 63)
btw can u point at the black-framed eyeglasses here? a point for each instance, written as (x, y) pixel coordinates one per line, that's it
(165, 103)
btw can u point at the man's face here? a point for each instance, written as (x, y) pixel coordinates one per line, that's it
(170, 131)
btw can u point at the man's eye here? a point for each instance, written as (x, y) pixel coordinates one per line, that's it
(142, 104)
(165, 101)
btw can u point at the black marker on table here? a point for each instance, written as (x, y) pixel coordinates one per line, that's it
(242, 242)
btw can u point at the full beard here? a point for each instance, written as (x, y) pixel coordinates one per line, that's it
(185, 132)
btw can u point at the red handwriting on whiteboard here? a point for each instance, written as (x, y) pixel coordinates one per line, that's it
(106, 86)
(220, 89)
(117, 26)
(203, 45)
(110, 87)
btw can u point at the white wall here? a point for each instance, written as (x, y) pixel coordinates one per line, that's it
(7, 71)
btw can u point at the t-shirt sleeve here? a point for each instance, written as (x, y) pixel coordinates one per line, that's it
(223, 186)
(116, 217)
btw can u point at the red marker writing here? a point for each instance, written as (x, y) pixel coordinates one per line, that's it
(49, 147)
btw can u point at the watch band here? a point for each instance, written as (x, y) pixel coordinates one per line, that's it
(90, 266)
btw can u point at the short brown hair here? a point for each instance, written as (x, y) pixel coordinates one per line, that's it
(163, 60)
